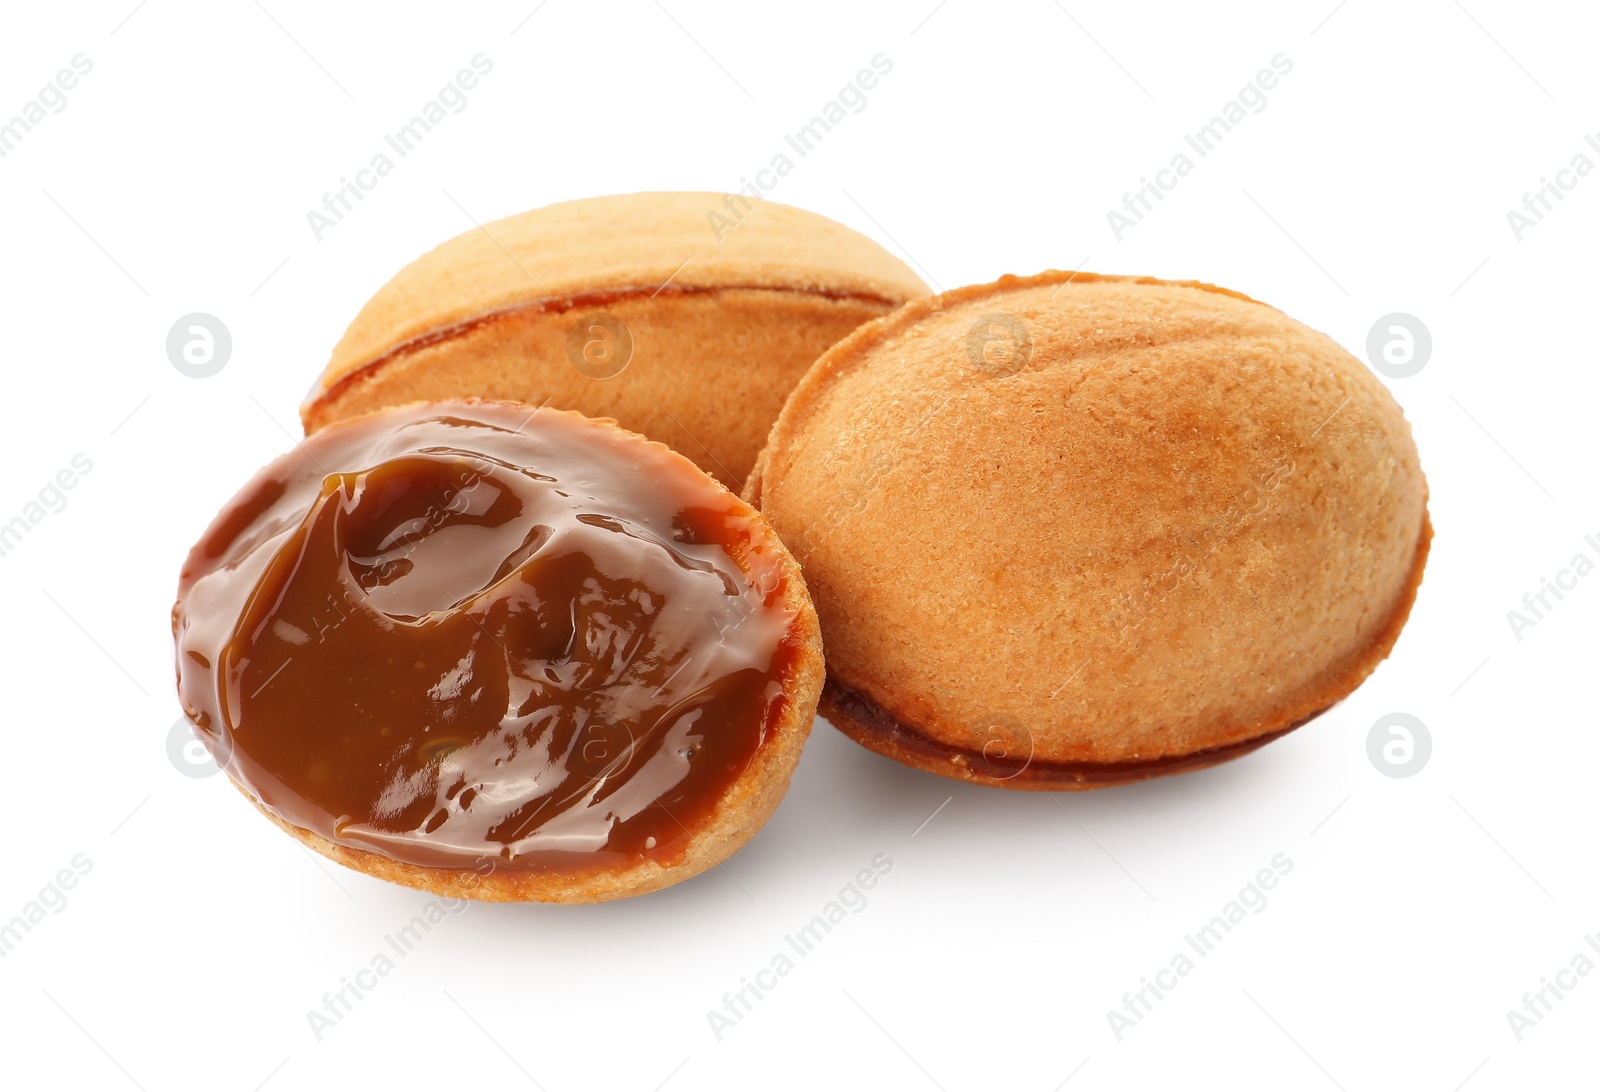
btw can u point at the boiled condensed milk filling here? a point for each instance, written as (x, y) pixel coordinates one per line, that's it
(458, 633)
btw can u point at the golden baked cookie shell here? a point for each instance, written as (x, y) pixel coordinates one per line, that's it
(1092, 528)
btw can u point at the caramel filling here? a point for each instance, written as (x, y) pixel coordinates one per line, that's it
(463, 632)
(874, 727)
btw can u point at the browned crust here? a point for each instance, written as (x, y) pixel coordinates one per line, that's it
(657, 239)
(864, 717)
(315, 413)
(852, 348)
(875, 728)
(746, 806)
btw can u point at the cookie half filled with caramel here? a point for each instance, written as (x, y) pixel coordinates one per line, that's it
(686, 317)
(1066, 531)
(499, 652)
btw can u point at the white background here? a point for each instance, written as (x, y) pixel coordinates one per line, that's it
(1377, 179)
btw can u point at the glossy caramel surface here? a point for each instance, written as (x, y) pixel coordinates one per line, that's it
(453, 633)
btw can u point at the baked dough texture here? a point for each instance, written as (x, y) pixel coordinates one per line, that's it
(1072, 530)
(714, 331)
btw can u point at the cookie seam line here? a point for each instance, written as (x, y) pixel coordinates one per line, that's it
(329, 389)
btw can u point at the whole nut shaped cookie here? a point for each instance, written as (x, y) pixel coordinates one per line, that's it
(1066, 531)
(647, 308)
